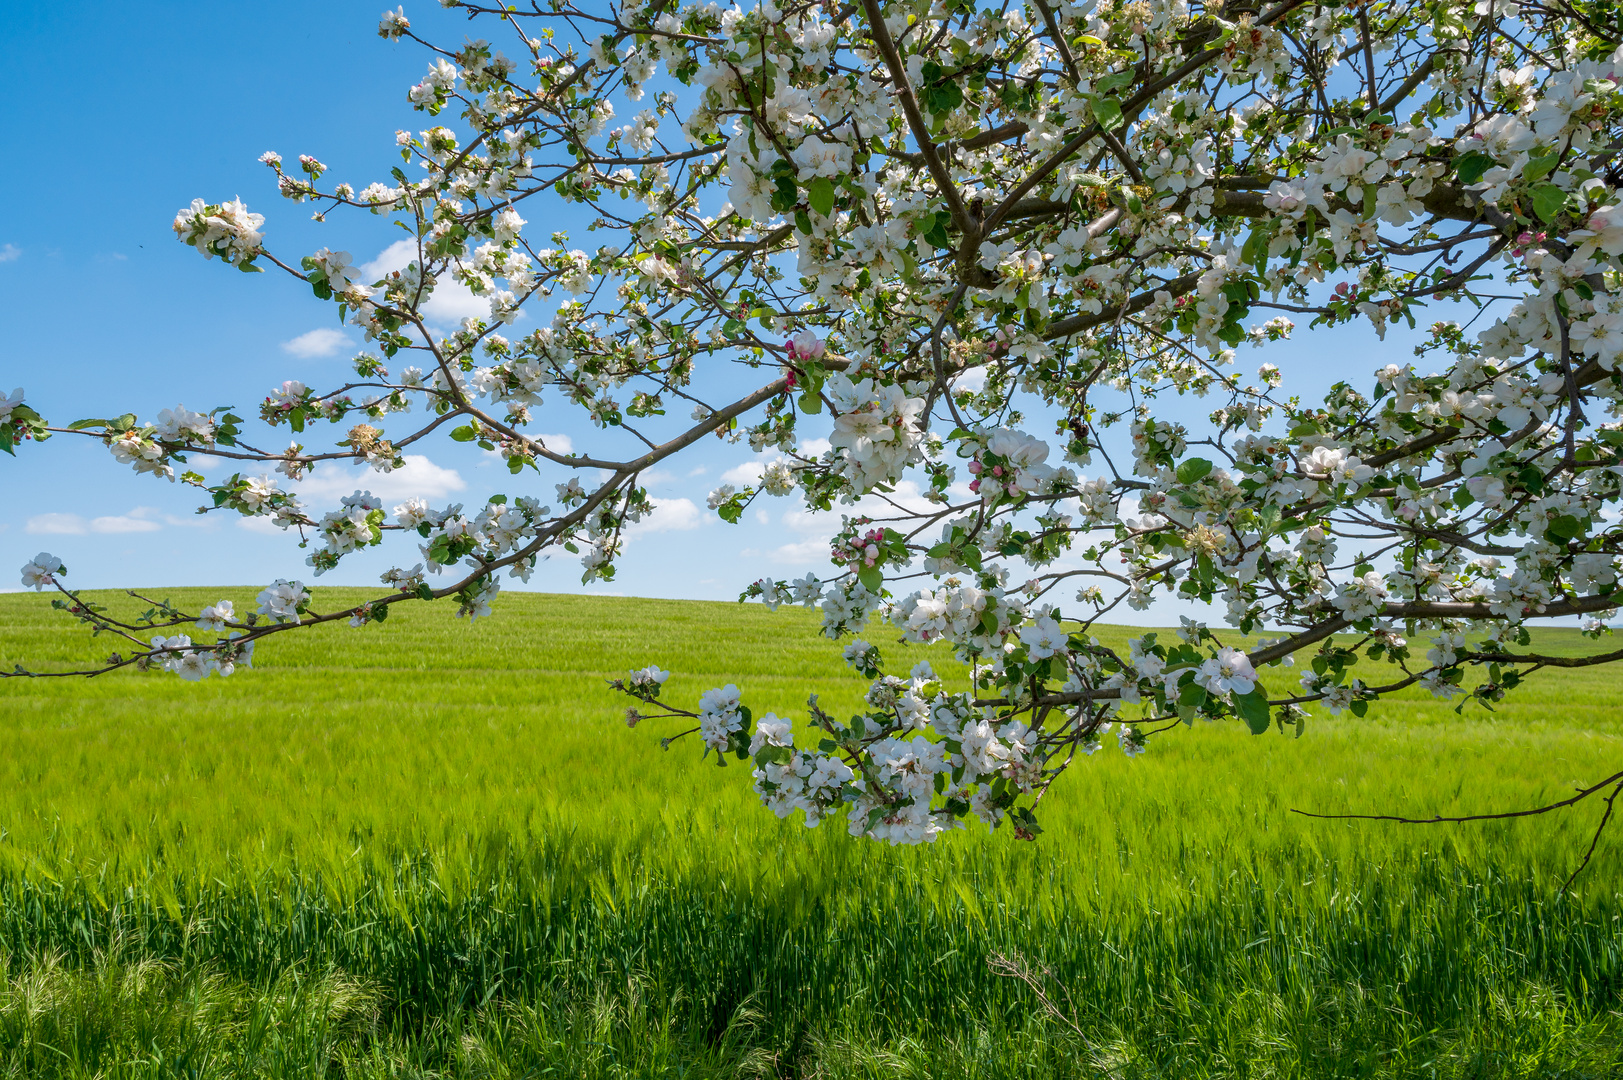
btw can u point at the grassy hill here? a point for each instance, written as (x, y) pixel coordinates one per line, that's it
(434, 848)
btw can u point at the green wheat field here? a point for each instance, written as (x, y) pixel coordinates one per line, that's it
(433, 849)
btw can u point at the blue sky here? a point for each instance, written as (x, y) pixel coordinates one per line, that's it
(120, 115)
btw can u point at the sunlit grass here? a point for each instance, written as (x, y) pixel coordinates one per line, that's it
(455, 819)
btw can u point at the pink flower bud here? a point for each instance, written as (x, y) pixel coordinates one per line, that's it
(806, 346)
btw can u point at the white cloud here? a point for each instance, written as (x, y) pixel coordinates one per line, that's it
(670, 515)
(138, 520)
(418, 478)
(816, 527)
(451, 301)
(57, 525)
(814, 447)
(10, 252)
(264, 526)
(314, 343)
(744, 475)
(123, 524)
(973, 380)
(558, 444)
(803, 553)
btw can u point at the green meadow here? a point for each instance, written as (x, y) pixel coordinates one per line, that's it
(433, 849)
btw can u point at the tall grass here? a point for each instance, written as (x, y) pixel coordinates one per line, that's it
(443, 837)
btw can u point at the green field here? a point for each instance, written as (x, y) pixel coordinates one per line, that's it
(434, 849)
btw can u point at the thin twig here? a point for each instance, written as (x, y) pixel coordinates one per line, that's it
(1615, 782)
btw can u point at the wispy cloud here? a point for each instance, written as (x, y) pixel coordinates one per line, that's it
(451, 301)
(815, 529)
(10, 252)
(418, 478)
(973, 380)
(744, 475)
(139, 520)
(123, 524)
(315, 343)
(57, 525)
(801, 553)
(264, 526)
(670, 515)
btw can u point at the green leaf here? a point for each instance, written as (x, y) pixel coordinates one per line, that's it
(465, 433)
(1566, 526)
(1548, 201)
(820, 195)
(810, 402)
(1540, 167)
(1107, 111)
(1115, 81)
(872, 579)
(1193, 470)
(945, 98)
(1256, 247)
(935, 234)
(1470, 167)
(80, 425)
(1253, 709)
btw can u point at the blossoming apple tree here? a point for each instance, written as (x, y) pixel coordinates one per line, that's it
(990, 252)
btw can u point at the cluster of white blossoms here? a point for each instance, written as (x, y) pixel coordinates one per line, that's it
(966, 255)
(226, 230)
(926, 758)
(1013, 464)
(876, 431)
(178, 655)
(283, 600)
(719, 717)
